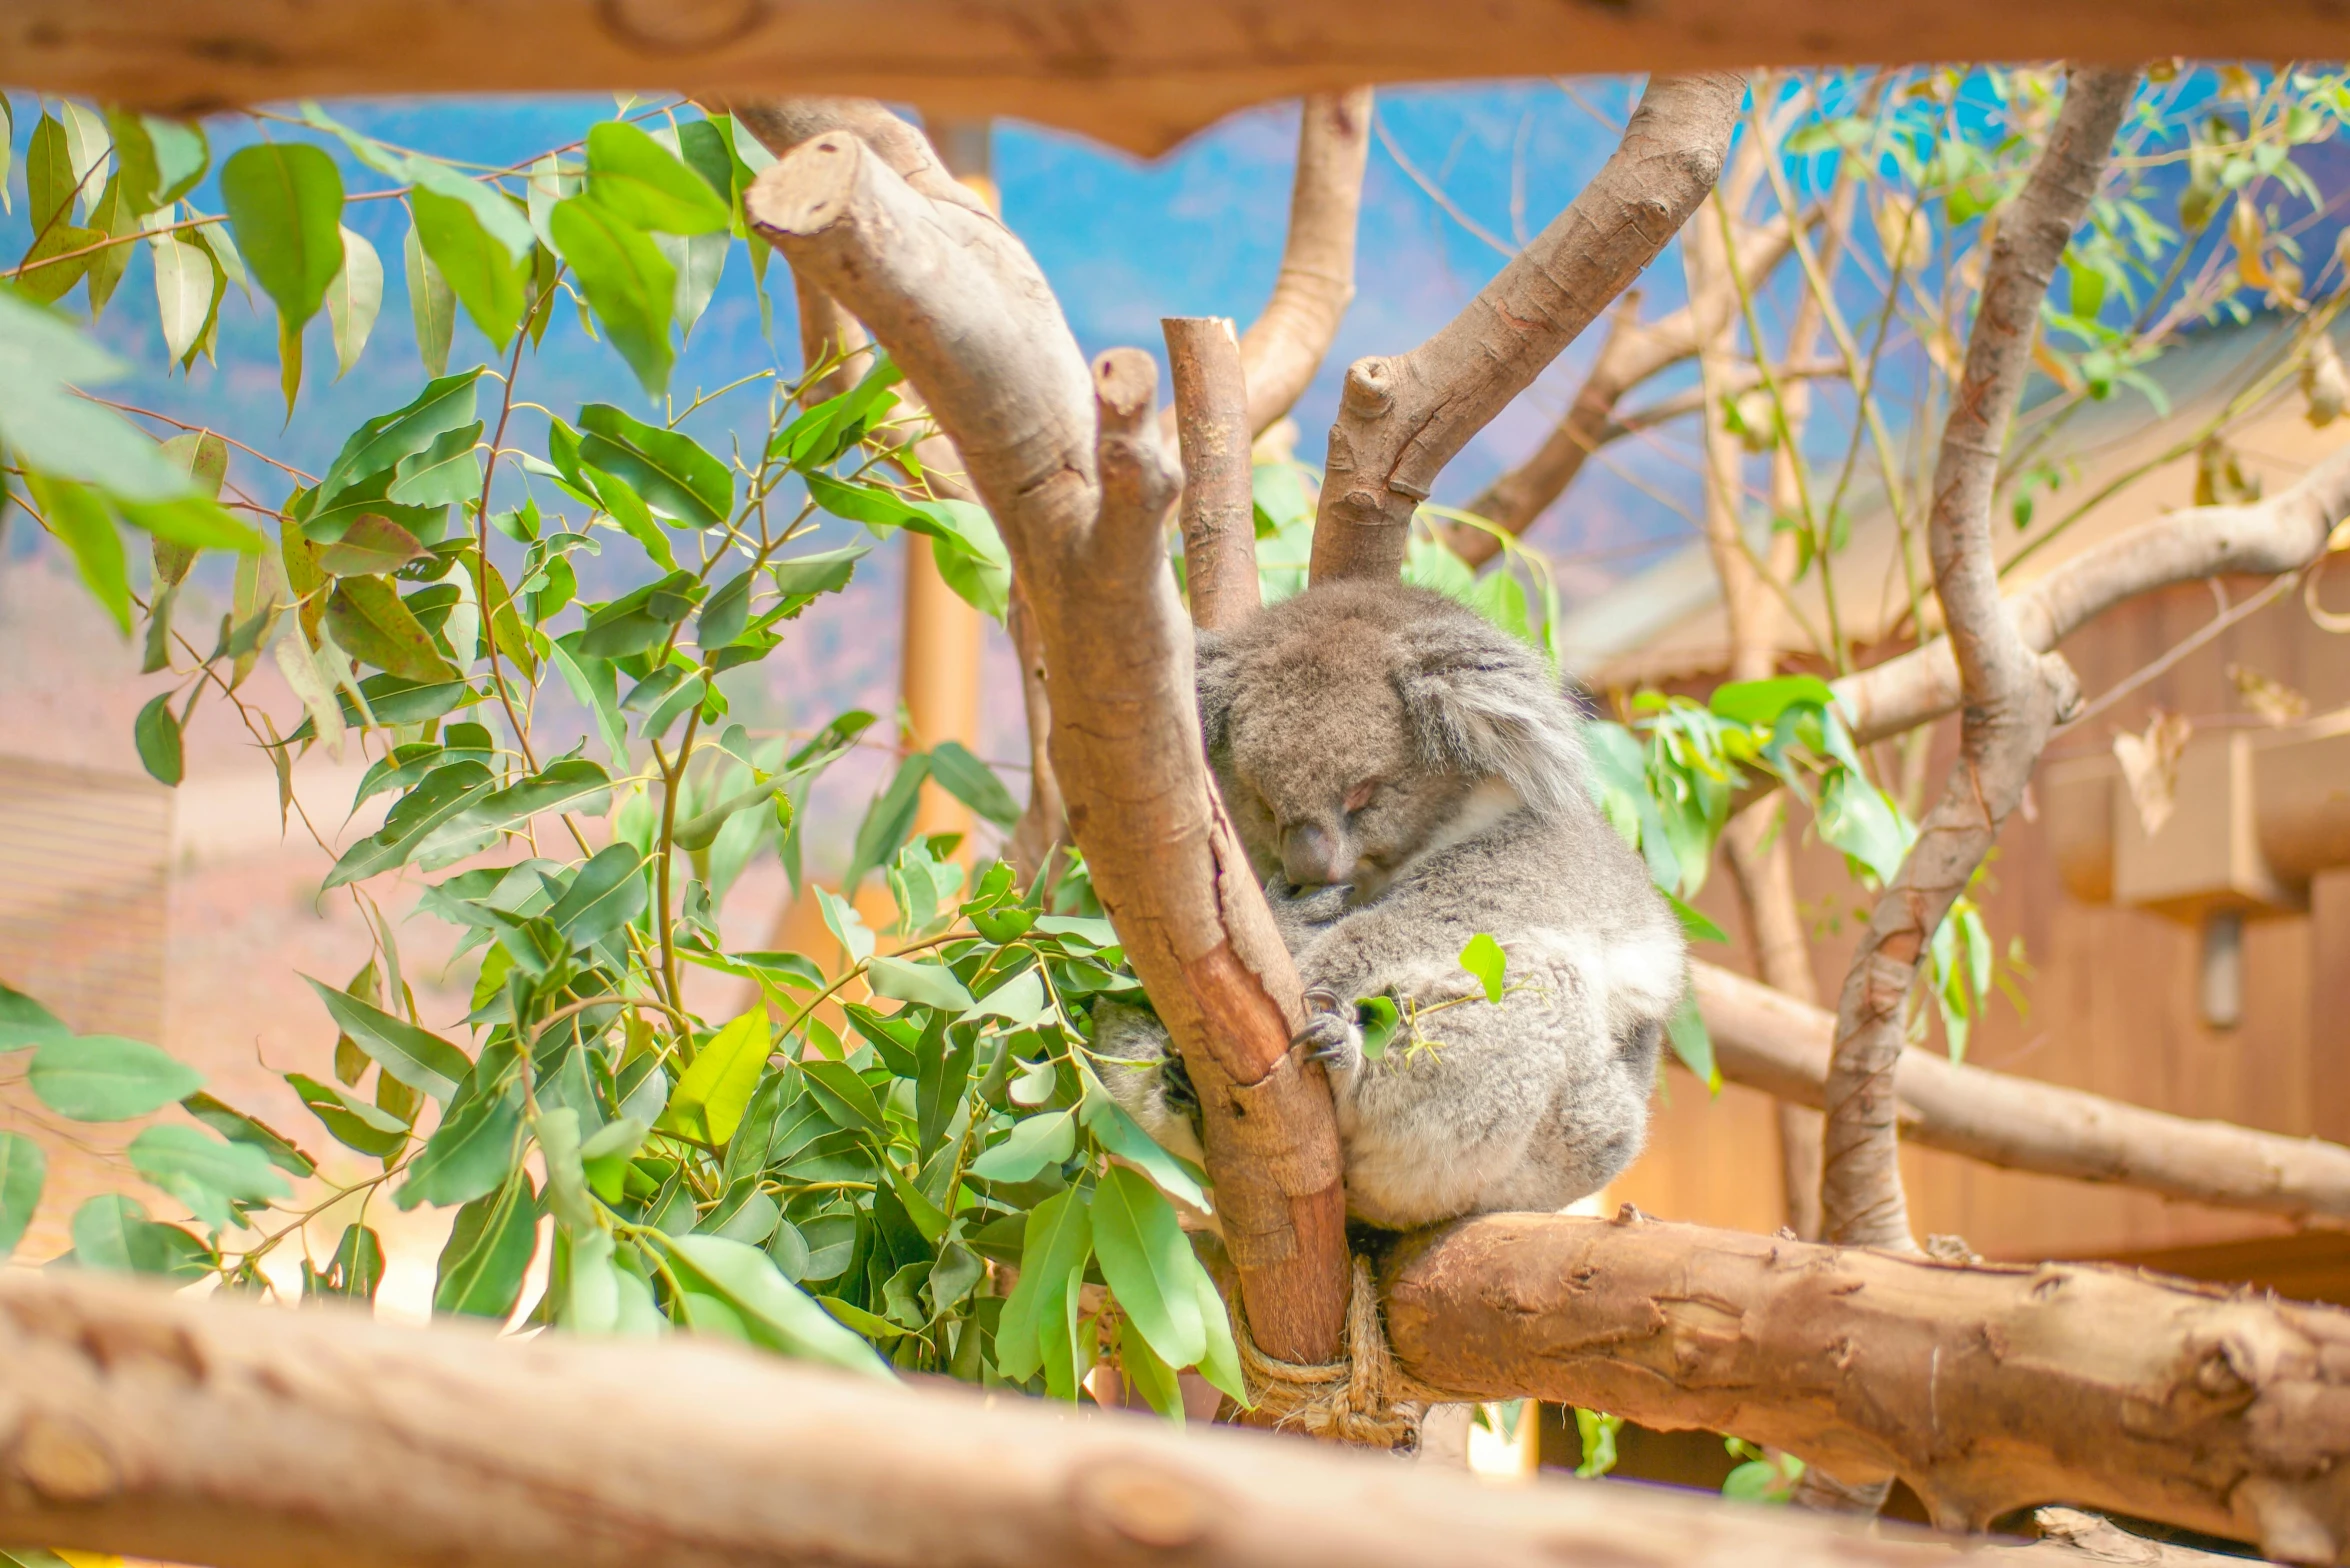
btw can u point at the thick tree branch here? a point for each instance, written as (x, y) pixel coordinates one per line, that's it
(1632, 353)
(1213, 423)
(1769, 1041)
(1986, 1387)
(962, 307)
(2013, 698)
(218, 1431)
(2283, 533)
(1402, 418)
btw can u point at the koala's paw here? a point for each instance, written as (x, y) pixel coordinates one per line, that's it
(1331, 1035)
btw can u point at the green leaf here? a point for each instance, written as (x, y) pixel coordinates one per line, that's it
(847, 1099)
(973, 782)
(1038, 1321)
(350, 1121)
(1692, 1042)
(1484, 959)
(486, 277)
(63, 435)
(476, 1149)
(640, 621)
(113, 1232)
(237, 1127)
(105, 1078)
(79, 520)
(187, 292)
(606, 894)
(25, 1022)
(373, 546)
(206, 1173)
(23, 1170)
(285, 205)
(711, 1096)
(1761, 702)
(446, 473)
(370, 622)
(629, 283)
(1036, 1142)
(931, 985)
(432, 306)
(423, 1061)
(888, 821)
(353, 301)
(774, 1312)
(828, 571)
(645, 185)
(1694, 925)
(196, 521)
(488, 1252)
(1148, 1265)
(673, 474)
(357, 1267)
(1121, 1135)
(156, 732)
(445, 404)
(448, 791)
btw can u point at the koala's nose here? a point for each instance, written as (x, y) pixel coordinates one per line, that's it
(1313, 856)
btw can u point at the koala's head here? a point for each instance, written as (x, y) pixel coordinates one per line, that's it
(1351, 725)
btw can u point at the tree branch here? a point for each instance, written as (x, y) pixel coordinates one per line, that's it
(2281, 534)
(1767, 1040)
(1986, 1387)
(226, 1432)
(2013, 698)
(1402, 418)
(962, 307)
(1213, 423)
(1631, 354)
(1284, 347)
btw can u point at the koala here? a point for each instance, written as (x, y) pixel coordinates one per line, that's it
(1405, 776)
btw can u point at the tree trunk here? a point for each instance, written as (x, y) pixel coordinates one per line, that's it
(2014, 695)
(1219, 508)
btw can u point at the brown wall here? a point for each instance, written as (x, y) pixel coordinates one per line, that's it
(2112, 1003)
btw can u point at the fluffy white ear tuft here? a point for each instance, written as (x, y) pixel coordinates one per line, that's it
(1485, 704)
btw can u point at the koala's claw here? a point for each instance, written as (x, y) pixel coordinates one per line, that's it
(1330, 1035)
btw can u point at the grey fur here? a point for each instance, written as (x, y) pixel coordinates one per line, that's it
(1479, 822)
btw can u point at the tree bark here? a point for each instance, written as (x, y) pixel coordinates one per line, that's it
(961, 306)
(224, 1432)
(2014, 695)
(1630, 355)
(1213, 424)
(2283, 533)
(1284, 347)
(1402, 418)
(1986, 1387)
(1767, 1040)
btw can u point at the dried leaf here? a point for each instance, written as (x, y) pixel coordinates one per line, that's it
(2220, 479)
(2271, 699)
(2150, 766)
(2324, 383)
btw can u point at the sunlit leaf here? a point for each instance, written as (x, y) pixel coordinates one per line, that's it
(105, 1078)
(486, 277)
(23, 1170)
(629, 283)
(645, 185)
(353, 300)
(285, 204)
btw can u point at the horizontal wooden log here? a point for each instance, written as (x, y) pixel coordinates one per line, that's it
(246, 1436)
(1138, 75)
(1769, 1041)
(1986, 1387)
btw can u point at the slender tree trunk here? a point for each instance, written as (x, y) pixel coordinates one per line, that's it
(2014, 695)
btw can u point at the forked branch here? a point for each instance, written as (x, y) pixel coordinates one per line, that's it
(1402, 418)
(1213, 426)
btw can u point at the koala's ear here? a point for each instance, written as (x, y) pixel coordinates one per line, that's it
(1484, 704)
(1217, 671)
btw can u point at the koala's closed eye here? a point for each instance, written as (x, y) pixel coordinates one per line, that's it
(1363, 794)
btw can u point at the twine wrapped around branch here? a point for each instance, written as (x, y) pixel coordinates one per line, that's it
(1366, 1399)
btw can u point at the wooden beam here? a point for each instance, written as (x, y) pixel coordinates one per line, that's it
(1136, 74)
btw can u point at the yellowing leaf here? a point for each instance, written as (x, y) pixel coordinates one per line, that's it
(716, 1089)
